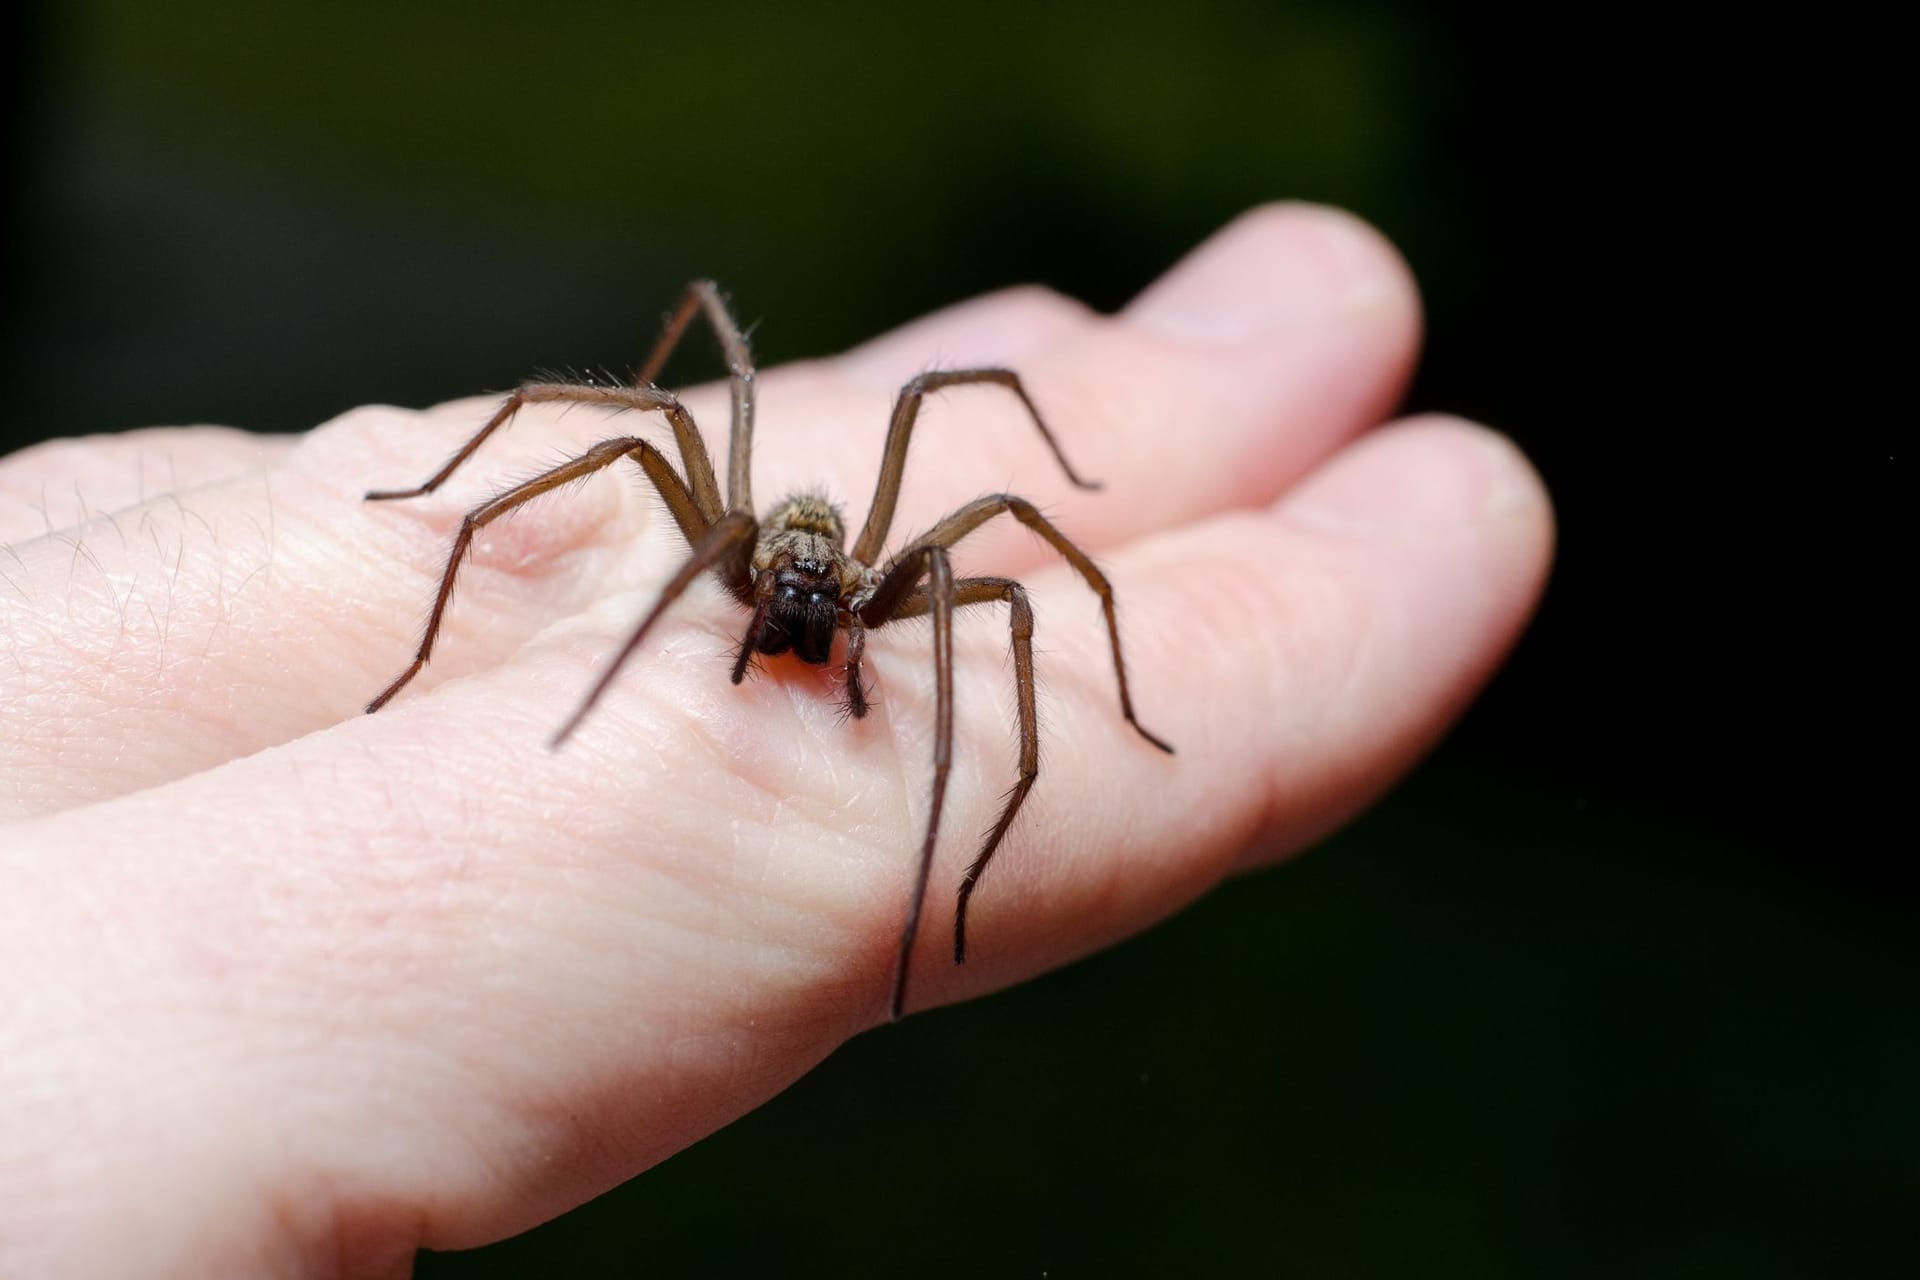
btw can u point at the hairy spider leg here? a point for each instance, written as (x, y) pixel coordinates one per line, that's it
(703, 296)
(735, 530)
(939, 597)
(694, 503)
(680, 503)
(856, 650)
(896, 586)
(900, 595)
(893, 459)
(972, 591)
(693, 450)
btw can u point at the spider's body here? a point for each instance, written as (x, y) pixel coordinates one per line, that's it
(794, 571)
(815, 585)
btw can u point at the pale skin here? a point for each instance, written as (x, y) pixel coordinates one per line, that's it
(294, 990)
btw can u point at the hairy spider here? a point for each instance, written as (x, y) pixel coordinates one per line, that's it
(792, 570)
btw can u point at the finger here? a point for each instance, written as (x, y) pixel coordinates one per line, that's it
(1320, 646)
(1006, 327)
(533, 974)
(201, 625)
(1290, 331)
(187, 631)
(59, 483)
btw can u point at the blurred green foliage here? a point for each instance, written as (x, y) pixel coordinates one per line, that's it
(490, 189)
(844, 148)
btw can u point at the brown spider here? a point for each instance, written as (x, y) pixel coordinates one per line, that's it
(793, 571)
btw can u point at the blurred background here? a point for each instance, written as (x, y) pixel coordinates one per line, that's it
(1621, 982)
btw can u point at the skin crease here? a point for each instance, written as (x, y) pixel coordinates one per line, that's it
(360, 985)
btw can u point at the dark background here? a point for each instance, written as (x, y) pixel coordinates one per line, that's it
(1620, 983)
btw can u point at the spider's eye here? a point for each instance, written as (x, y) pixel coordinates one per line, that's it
(817, 598)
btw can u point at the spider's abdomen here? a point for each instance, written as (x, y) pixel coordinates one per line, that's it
(807, 513)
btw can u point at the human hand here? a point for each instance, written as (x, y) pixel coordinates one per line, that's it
(296, 989)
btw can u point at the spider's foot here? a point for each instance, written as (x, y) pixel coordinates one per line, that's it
(1152, 737)
(960, 921)
(897, 1005)
(856, 705)
(386, 695)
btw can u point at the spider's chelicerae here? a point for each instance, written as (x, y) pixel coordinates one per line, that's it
(793, 570)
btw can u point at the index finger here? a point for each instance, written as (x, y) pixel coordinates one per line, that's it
(190, 630)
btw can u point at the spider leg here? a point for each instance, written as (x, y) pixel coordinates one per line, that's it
(899, 595)
(939, 604)
(856, 649)
(693, 450)
(893, 462)
(971, 591)
(704, 296)
(721, 543)
(903, 572)
(680, 503)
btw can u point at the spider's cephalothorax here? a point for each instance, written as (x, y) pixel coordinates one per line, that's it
(801, 559)
(793, 571)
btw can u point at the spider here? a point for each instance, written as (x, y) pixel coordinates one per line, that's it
(792, 571)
